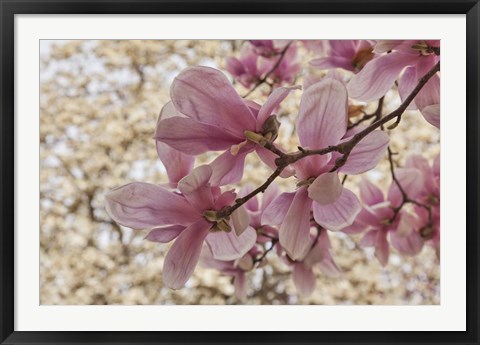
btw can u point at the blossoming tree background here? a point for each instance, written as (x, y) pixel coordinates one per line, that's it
(345, 159)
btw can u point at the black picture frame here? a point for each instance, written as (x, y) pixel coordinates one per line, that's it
(9, 8)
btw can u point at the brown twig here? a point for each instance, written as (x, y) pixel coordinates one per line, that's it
(405, 198)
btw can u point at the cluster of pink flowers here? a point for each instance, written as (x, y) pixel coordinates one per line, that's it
(265, 59)
(233, 233)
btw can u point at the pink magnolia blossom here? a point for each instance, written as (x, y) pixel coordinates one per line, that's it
(211, 116)
(350, 55)
(407, 61)
(317, 254)
(188, 218)
(322, 122)
(246, 69)
(377, 214)
(251, 66)
(235, 268)
(429, 195)
(288, 68)
(268, 48)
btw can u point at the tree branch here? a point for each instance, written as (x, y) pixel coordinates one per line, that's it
(345, 148)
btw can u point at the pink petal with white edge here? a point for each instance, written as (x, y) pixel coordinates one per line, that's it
(378, 76)
(304, 279)
(228, 168)
(142, 205)
(166, 234)
(322, 119)
(295, 229)
(228, 246)
(193, 137)
(240, 220)
(369, 193)
(339, 214)
(432, 114)
(182, 258)
(325, 189)
(205, 94)
(276, 211)
(273, 101)
(406, 84)
(196, 188)
(411, 181)
(176, 163)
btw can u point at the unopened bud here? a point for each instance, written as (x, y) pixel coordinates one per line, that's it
(270, 128)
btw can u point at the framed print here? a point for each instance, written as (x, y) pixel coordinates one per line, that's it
(173, 170)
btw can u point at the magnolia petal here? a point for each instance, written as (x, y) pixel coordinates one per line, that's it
(295, 229)
(345, 48)
(432, 114)
(276, 211)
(326, 188)
(268, 157)
(228, 246)
(367, 217)
(196, 188)
(273, 101)
(333, 62)
(166, 234)
(225, 199)
(270, 194)
(410, 244)
(340, 213)
(369, 239)
(430, 93)
(252, 204)
(205, 94)
(176, 163)
(406, 84)
(142, 205)
(304, 279)
(183, 256)
(369, 193)
(378, 76)
(329, 267)
(240, 284)
(366, 154)
(382, 249)
(322, 119)
(411, 181)
(240, 220)
(228, 168)
(193, 137)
